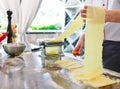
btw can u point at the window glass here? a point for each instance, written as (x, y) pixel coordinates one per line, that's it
(50, 16)
(3, 23)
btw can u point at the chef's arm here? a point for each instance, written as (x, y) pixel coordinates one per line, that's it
(113, 16)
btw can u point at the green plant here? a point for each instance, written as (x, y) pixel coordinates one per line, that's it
(46, 27)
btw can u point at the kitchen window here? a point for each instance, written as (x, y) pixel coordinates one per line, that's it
(50, 18)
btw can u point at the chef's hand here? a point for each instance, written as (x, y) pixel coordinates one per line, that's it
(83, 13)
(79, 46)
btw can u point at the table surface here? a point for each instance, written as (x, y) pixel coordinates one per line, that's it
(28, 73)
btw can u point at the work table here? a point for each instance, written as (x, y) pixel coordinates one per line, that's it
(30, 74)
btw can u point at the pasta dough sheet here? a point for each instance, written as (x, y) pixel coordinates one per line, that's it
(52, 50)
(92, 70)
(76, 25)
(65, 63)
(93, 41)
(100, 82)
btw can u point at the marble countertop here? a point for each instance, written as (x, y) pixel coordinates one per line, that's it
(27, 72)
